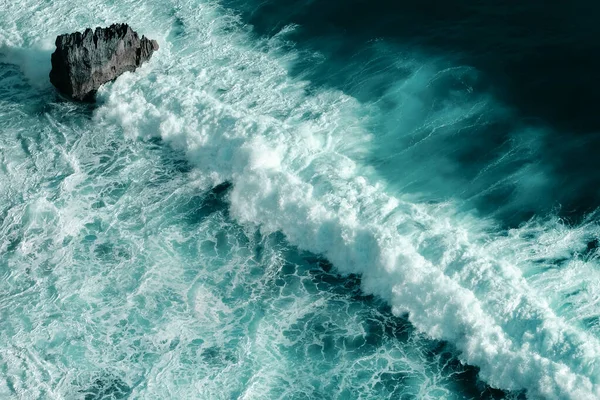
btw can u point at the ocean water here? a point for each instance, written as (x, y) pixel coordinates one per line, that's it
(303, 200)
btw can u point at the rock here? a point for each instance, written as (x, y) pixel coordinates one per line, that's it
(84, 61)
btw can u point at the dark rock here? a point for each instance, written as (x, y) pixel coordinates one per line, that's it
(84, 61)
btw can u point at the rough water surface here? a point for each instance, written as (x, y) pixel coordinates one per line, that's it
(225, 225)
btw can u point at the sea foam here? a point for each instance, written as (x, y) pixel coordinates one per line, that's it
(290, 152)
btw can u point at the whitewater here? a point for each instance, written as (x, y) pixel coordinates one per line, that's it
(174, 241)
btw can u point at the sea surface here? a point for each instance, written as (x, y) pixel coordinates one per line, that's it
(304, 199)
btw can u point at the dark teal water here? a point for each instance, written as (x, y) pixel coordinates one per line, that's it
(539, 60)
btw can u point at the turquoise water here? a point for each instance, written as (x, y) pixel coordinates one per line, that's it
(222, 226)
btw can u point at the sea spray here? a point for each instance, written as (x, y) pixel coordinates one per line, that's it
(290, 152)
(465, 297)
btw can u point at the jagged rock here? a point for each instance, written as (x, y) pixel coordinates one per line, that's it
(84, 61)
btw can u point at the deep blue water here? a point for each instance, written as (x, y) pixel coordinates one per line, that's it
(304, 200)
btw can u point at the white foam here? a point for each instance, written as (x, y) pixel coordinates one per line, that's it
(228, 103)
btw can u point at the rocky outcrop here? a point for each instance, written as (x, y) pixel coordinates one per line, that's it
(84, 61)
